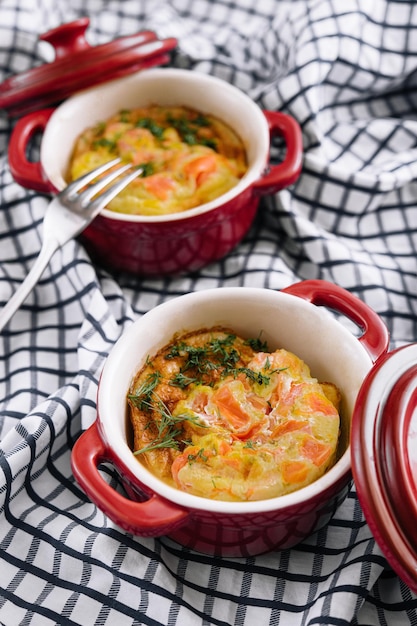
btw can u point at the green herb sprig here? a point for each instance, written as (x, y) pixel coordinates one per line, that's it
(142, 396)
(169, 428)
(217, 354)
(146, 122)
(188, 130)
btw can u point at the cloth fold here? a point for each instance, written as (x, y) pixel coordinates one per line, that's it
(347, 72)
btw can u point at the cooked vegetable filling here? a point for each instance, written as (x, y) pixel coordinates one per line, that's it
(187, 158)
(221, 417)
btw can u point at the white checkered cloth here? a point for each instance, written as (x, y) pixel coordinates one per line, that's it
(347, 72)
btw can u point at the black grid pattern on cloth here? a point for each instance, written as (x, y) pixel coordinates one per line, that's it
(347, 72)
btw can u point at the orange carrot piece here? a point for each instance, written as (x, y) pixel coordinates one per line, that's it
(201, 167)
(231, 411)
(159, 185)
(224, 447)
(288, 427)
(177, 465)
(315, 451)
(294, 471)
(320, 404)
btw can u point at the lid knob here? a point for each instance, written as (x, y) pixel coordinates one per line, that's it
(68, 38)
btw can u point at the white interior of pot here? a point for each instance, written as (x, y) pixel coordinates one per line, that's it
(286, 321)
(206, 94)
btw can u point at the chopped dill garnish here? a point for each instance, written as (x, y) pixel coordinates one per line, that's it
(169, 428)
(124, 116)
(103, 142)
(191, 458)
(201, 120)
(197, 358)
(218, 353)
(182, 380)
(99, 128)
(257, 344)
(209, 143)
(219, 345)
(141, 398)
(188, 130)
(176, 350)
(255, 377)
(203, 359)
(148, 169)
(146, 122)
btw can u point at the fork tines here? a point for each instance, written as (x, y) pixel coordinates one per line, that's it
(115, 170)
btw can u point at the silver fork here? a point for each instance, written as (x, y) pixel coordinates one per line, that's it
(67, 215)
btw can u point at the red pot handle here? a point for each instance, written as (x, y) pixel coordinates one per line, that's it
(152, 518)
(287, 172)
(375, 337)
(27, 173)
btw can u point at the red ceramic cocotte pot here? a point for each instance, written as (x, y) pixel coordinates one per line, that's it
(186, 241)
(298, 319)
(384, 457)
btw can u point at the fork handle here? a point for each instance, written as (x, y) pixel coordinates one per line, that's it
(47, 250)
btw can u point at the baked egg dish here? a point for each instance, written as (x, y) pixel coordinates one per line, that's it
(187, 158)
(220, 416)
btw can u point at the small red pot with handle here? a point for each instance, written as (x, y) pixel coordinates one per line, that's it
(186, 241)
(384, 457)
(297, 319)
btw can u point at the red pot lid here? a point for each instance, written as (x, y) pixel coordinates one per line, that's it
(78, 65)
(384, 457)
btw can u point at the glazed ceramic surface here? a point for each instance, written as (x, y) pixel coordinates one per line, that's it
(291, 319)
(78, 65)
(182, 241)
(384, 457)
